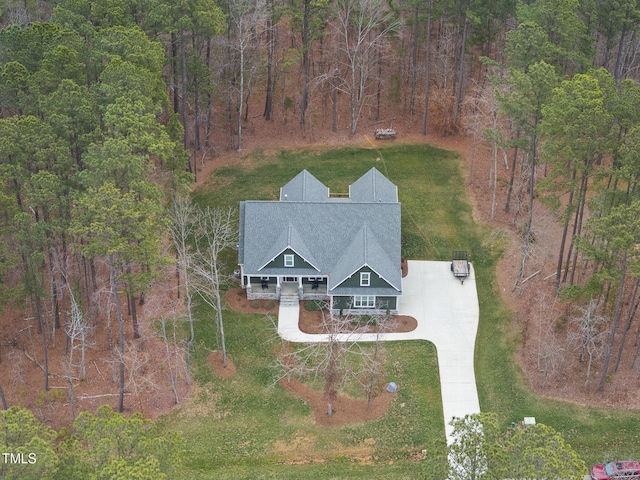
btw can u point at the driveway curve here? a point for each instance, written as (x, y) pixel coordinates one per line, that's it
(447, 313)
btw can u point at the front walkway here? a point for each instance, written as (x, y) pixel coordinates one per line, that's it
(447, 314)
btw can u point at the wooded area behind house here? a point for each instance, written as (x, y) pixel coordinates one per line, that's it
(108, 109)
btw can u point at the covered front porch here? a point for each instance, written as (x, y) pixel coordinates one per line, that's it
(273, 287)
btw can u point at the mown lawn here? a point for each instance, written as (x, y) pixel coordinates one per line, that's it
(245, 427)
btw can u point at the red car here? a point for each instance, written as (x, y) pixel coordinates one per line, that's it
(616, 471)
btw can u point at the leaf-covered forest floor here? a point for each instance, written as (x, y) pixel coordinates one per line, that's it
(148, 388)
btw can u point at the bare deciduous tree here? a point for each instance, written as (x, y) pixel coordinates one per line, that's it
(444, 69)
(382, 323)
(482, 117)
(550, 352)
(215, 231)
(244, 18)
(183, 215)
(364, 27)
(338, 357)
(139, 383)
(169, 319)
(77, 330)
(588, 336)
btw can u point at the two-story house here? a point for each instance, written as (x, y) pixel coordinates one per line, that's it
(316, 245)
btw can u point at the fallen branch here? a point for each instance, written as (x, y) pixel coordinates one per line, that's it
(32, 359)
(554, 273)
(530, 277)
(87, 397)
(96, 365)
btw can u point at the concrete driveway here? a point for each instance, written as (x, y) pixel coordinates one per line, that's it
(447, 314)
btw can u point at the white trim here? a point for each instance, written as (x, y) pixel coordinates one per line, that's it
(364, 301)
(373, 271)
(289, 247)
(289, 258)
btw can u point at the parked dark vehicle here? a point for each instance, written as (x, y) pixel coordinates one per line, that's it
(629, 470)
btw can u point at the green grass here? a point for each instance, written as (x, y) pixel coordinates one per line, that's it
(245, 427)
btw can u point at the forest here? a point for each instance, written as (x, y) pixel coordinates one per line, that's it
(109, 110)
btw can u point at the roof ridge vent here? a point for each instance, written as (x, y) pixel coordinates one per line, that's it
(366, 250)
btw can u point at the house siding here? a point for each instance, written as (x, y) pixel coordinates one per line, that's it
(345, 303)
(375, 280)
(298, 262)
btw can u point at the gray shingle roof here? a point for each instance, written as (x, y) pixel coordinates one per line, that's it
(337, 237)
(290, 238)
(365, 249)
(373, 186)
(304, 187)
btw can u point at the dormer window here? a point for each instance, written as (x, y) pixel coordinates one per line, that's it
(365, 279)
(288, 260)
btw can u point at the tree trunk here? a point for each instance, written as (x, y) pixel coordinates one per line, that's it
(54, 291)
(373, 372)
(334, 99)
(563, 241)
(379, 85)
(178, 274)
(426, 71)
(614, 327)
(196, 106)
(94, 275)
(456, 107)
(576, 221)
(131, 302)
(632, 304)
(306, 12)
(116, 299)
(527, 233)
(43, 334)
(331, 375)
(507, 203)
(583, 201)
(241, 95)
(219, 320)
(268, 104)
(414, 60)
(617, 71)
(185, 118)
(174, 72)
(2, 399)
(207, 125)
(72, 396)
(134, 315)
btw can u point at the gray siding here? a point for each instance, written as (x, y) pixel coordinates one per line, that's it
(346, 303)
(298, 262)
(375, 281)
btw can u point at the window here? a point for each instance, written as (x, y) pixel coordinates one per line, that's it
(364, 301)
(365, 279)
(288, 260)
